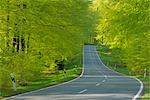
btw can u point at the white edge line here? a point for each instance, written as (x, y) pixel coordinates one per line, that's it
(141, 83)
(12, 97)
(140, 90)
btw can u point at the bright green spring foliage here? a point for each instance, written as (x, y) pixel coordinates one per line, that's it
(36, 33)
(124, 24)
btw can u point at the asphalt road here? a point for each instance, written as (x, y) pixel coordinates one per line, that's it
(97, 82)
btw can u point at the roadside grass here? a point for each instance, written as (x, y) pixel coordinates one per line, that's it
(51, 79)
(146, 82)
(108, 59)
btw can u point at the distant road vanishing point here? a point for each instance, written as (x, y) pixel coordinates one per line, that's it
(97, 82)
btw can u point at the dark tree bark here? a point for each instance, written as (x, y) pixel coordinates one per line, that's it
(22, 43)
(18, 43)
(8, 24)
(28, 42)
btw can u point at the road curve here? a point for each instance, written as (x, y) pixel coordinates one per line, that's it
(97, 82)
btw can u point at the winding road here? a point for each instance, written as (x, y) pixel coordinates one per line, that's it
(97, 82)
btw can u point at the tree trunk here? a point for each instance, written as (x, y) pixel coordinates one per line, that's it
(22, 43)
(28, 43)
(18, 43)
(7, 20)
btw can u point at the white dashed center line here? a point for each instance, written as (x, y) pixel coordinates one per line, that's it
(97, 84)
(103, 80)
(83, 91)
(106, 76)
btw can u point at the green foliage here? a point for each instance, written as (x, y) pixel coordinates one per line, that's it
(36, 33)
(124, 24)
(109, 58)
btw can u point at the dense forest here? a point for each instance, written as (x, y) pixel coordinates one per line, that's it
(124, 27)
(42, 37)
(38, 35)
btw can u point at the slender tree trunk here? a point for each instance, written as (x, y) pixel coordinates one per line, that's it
(102, 40)
(7, 23)
(22, 43)
(18, 43)
(14, 43)
(28, 43)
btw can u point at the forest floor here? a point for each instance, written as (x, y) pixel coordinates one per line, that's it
(73, 70)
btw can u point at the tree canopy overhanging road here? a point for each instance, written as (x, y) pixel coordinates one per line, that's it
(97, 82)
(41, 45)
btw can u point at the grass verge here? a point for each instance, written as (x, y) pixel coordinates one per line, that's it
(72, 72)
(109, 59)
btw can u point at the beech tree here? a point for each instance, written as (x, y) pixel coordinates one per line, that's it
(36, 33)
(124, 24)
